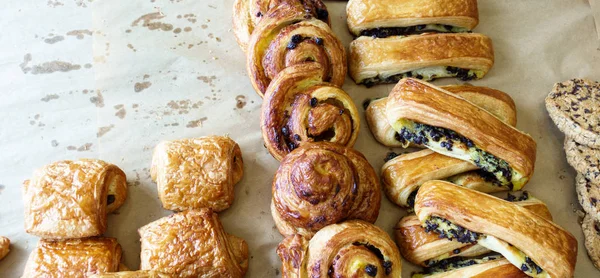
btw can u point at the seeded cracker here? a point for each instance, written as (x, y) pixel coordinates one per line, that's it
(589, 196)
(591, 234)
(574, 106)
(586, 160)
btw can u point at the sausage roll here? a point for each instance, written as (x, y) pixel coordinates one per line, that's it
(132, 274)
(197, 172)
(70, 199)
(289, 35)
(192, 244)
(351, 249)
(488, 266)
(427, 56)
(4, 247)
(532, 243)
(300, 107)
(73, 258)
(320, 184)
(451, 125)
(428, 249)
(383, 18)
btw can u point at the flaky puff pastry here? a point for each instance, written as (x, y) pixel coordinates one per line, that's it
(197, 172)
(70, 199)
(545, 243)
(351, 249)
(133, 274)
(288, 35)
(478, 268)
(383, 58)
(248, 13)
(422, 248)
(192, 244)
(73, 258)
(372, 14)
(494, 101)
(299, 107)
(4, 247)
(320, 184)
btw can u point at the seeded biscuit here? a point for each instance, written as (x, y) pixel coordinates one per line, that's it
(586, 160)
(591, 234)
(574, 106)
(589, 196)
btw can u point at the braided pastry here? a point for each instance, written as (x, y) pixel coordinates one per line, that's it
(300, 107)
(320, 184)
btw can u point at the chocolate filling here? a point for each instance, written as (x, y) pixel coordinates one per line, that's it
(110, 199)
(385, 32)
(461, 73)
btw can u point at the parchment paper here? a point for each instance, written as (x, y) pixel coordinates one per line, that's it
(109, 79)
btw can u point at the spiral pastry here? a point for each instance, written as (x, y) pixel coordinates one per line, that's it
(300, 107)
(351, 249)
(320, 184)
(289, 35)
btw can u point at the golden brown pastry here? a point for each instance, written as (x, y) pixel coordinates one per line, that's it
(192, 244)
(288, 35)
(448, 124)
(428, 249)
(320, 184)
(73, 258)
(4, 247)
(534, 244)
(488, 266)
(382, 18)
(248, 13)
(299, 107)
(428, 56)
(197, 172)
(132, 274)
(70, 199)
(351, 249)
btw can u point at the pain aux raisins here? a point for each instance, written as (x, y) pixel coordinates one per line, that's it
(387, 265)
(450, 230)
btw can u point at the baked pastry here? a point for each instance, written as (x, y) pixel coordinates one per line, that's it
(192, 244)
(427, 249)
(322, 183)
(248, 13)
(289, 35)
(4, 247)
(586, 160)
(299, 107)
(73, 258)
(351, 249)
(588, 194)
(534, 244)
(197, 172)
(448, 124)
(591, 234)
(574, 106)
(384, 18)
(132, 274)
(488, 266)
(70, 199)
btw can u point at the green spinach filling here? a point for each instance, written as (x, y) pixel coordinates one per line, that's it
(427, 74)
(385, 32)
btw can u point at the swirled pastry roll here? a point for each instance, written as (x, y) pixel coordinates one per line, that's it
(197, 172)
(428, 249)
(73, 258)
(70, 199)
(299, 107)
(4, 247)
(192, 244)
(488, 266)
(288, 35)
(248, 13)
(320, 184)
(351, 249)
(532, 243)
(132, 274)
(453, 126)
(428, 56)
(383, 18)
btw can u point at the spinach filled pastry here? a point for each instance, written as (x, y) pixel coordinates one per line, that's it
(353, 248)
(532, 243)
(322, 183)
(4, 247)
(197, 172)
(299, 107)
(384, 18)
(73, 258)
(487, 266)
(428, 56)
(70, 199)
(448, 124)
(192, 244)
(132, 274)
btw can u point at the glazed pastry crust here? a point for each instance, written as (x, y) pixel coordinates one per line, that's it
(547, 244)
(4, 247)
(132, 274)
(69, 199)
(192, 244)
(73, 258)
(370, 14)
(320, 184)
(197, 172)
(425, 103)
(371, 57)
(496, 268)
